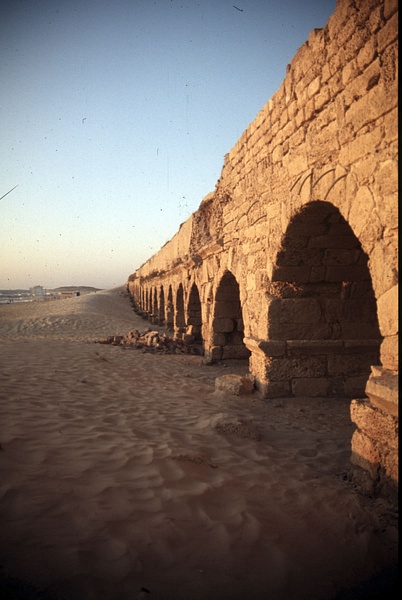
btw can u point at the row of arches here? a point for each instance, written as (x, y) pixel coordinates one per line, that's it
(182, 314)
(307, 322)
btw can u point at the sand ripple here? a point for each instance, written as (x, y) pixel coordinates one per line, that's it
(121, 470)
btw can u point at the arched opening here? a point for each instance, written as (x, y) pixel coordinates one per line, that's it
(169, 310)
(161, 314)
(194, 320)
(179, 319)
(227, 325)
(154, 308)
(322, 309)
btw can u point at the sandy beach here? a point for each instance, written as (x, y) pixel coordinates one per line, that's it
(123, 474)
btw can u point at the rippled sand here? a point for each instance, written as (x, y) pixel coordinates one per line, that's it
(116, 484)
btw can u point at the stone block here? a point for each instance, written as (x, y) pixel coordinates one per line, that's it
(365, 454)
(282, 369)
(369, 108)
(272, 347)
(349, 72)
(386, 180)
(367, 54)
(310, 387)
(363, 330)
(384, 267)
(228, 308)
(345, 273)
(332, 309)
(333, 241)
(222, 325)
(390, 7)
(341, 256)
(389, 352)
(300, 274)
(390, 463)
(346, 365)
(308, 347)
(336, 86)
(314, 87)
(309, 109)
(234, 384)
(299, 120)
(300, 331)
(292, 109)
(355, 310)
(369, 347)
(277, 154)
(236, 337)
(304, 231)
(374, 423)
(391, 123)
(362, 209)
(299, 310)
(194, 321)
(311, 257)
(274, 389)
(322, 98)
(218, 339)
(317, 274)
(389, 33)
(238, 426)
(361, 289)
(387, 305)
(299, 163)
(346, 28)
(383, 390)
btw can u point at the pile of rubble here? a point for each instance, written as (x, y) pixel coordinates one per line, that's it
(154, 341)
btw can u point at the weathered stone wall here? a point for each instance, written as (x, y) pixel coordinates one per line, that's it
(292, 260)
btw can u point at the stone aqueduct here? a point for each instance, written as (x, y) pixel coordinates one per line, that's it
(292, 261)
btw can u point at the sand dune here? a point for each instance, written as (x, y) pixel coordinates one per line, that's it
(119, 479)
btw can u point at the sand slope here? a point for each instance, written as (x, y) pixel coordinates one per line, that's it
(117, 483)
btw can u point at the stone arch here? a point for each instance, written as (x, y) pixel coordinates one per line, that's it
(227, 324)
(194, 314)
(179, 316)
(322, 316)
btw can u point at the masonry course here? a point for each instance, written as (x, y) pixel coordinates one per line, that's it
(292, 261)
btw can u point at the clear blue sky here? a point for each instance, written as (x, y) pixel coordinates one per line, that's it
(115, 117)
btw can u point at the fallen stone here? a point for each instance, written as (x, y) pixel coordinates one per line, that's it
(234, 384)
(134, 335)
(153, 341)
(239, 426)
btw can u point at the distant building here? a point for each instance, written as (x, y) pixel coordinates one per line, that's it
(37, 290)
